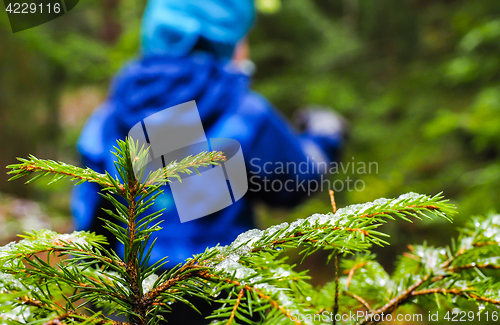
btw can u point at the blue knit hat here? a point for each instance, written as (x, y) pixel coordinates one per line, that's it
(177, 27)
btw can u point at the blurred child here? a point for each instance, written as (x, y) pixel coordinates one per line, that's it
(187, 51)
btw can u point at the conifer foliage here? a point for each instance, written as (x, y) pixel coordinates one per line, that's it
(50, 278)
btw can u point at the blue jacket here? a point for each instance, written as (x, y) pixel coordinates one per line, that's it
(228, 109)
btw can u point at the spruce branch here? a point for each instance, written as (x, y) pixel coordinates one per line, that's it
(337, 292)
(60, 170)
(447, 272)
(236, 306)
(268, 298)
(86, 270)
(394, 303)
(187, 166)
(239, 259)
(360, 300)
(127, 154)
(350, 229)
(456, 292)
(351, 273)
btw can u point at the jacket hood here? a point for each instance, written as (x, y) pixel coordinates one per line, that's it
(177, 27)
(154, 83)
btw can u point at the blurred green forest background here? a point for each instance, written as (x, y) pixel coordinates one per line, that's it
(419, 81)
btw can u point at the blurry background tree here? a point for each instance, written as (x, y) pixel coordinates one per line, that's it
(418, 79)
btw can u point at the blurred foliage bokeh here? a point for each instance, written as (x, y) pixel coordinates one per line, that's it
(419, 81)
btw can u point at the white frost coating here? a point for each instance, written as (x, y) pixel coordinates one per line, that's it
(148, 283)
(172, 164)
(495, 219)
(11, 282)
(489, 261)
(354, 209)
(411, 196)
(231, 266)
(381, 201)
(281, 272)
(295, 224)
(357, 209)
(246, 241)
(73, 238)
(256, 279)
(491, 225)
(337, 220)
(4, 250)
(340, 217)
(272, 290)
(19, 313)
(283, 299)
(313, 219)
(44, 238)
(467, 243)
(328, 219)
(408, 196)
(249, 238)
(274, 229)
(319, 219)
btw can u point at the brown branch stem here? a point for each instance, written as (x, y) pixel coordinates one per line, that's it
(351, 273)
(236, 305)
(395, 302)
(456, 292)
(337, 293)
(360, 300)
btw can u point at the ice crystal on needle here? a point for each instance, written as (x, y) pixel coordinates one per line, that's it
(74, 238)
(18, 314)
(248, 238)
(41, 241)
(8, 280)
(148, 283)
(274, 229)
(7, 249)
(231, 266)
